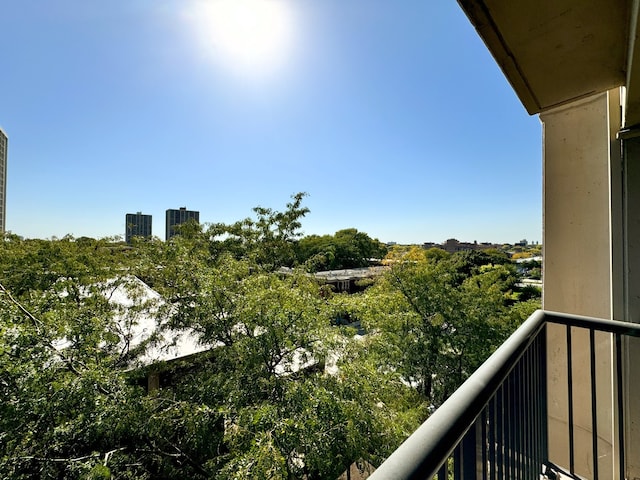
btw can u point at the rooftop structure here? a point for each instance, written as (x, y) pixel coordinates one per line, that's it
(346, 280)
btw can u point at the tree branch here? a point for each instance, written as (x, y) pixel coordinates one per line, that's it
(37, 323)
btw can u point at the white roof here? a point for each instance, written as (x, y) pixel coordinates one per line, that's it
(138, 327)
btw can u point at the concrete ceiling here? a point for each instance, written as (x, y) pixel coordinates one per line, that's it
(557, 51)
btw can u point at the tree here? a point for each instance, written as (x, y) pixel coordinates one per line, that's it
(347, 248)
(273, 332)
(278, 392)
(267, 241)
(258, 403)
(435, 319)
(61, 358)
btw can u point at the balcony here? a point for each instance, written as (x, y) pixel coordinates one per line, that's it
(558, 399)
(507, 421)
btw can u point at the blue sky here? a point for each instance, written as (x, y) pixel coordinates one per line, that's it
(391, 115)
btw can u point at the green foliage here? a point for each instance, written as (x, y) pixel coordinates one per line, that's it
(347, 248)
(279, 391)
(267, 241)
(436, 318)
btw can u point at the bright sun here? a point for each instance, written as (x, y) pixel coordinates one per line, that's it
(251, 36)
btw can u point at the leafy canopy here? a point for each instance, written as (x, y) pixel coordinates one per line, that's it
(277, 393)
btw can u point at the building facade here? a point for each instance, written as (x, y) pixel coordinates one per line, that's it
(137, 225)
(178, 217)
(4, 143)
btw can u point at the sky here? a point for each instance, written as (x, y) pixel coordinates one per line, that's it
(391, 115)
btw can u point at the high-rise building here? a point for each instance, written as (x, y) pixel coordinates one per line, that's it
(137, 225)
(177, 217)
(4, 143)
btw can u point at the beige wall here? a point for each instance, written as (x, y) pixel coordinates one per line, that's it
(578, 258)
(576, 208)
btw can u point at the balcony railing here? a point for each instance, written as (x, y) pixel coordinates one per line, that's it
(495, 426)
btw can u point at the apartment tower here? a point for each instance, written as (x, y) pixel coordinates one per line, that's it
(4, 143)
(137, 225)
(178, 217)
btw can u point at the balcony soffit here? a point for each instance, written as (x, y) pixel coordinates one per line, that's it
(556, 51)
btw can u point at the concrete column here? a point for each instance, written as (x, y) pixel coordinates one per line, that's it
(631, 193)
(631, 346)
(579, 249)
(576, 208)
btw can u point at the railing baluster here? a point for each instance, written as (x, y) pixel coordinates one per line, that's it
(457, 462)
(619, 394)
(500, 432)
(508, 422)
(594, 402)
(535, 395)
(483, 442)
(533, 417)
(535, 408)
(517, 424)
(543, 396)
(513, 421)
(528, 444)
(525, 402)
(521, 418)
(533, 400)
(513, 408)
(469, 450)
(570, 400)
(492, 441)
(443, 473)
(541, 400)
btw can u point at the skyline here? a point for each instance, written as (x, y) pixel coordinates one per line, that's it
(393, 118)
(145, 220)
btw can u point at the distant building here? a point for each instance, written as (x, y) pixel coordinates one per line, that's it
(178, 217)
(4, 143)
(137, 225)
(452, 245)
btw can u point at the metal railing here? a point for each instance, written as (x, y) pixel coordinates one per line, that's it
(495, 425)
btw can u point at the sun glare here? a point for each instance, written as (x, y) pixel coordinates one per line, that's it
(250, 36)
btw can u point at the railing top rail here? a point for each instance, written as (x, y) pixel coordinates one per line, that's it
(592, 323)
